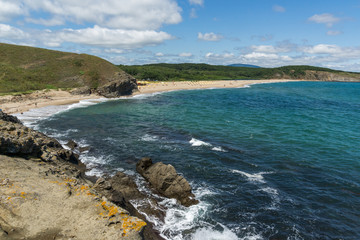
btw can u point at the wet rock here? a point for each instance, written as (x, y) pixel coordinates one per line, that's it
(71, 144)
(165, 180)
(84, 149)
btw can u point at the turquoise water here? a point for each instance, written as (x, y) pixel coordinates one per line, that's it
(273, 161)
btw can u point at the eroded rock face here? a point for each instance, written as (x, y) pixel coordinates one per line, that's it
(121, 84)
(18, 140)
(164, 179)
(9, 118)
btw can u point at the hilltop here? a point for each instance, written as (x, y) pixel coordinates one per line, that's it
(192, 71)
(25, 68)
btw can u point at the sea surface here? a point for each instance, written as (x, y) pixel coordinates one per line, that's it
(270, 161)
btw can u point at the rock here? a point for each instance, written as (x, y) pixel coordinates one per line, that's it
(18, 140)
(121, 84)
(9, 118)
(71, 144)
(165, 180)
(84, 149)
(81, 91)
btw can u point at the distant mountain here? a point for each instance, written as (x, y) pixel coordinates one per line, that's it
(243, 65)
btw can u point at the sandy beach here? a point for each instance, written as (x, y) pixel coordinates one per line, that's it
(42, 98)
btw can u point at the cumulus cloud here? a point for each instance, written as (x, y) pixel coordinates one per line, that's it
(326, 18)
(124, 14)
(277, 8)
(212, 37)
(98, 36)
(11, 33)
(9, 9)
(270, 48)
(196, 2)
(323, 49)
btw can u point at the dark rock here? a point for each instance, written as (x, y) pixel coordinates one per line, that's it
(71, 144)
(165, 180)
(9, 118)
(121, 84)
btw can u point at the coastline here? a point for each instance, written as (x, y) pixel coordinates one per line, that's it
(18, 104)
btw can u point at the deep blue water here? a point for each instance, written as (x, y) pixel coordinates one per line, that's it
(274, 161)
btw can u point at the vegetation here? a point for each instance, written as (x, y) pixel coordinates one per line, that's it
(190, 71)
(24, 69)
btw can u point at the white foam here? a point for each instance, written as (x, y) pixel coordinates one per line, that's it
(197, 143)
(256, 177)
(30, 117)
(218, 149)
(211, 234)
(149, 138)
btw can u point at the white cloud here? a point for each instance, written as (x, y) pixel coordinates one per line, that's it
(124, 14)
(325, 18)
(159, 54)
(270, 49)
(8, 32)
(209, 37)
(278, 8)
(333, 33)
(219, 56)
(196, 2)
(323, 49)
(105, 37)
(9, 9)
(263, 56)
(114, 50)
(185, 54)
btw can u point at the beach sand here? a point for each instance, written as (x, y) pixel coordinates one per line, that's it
(22, 103)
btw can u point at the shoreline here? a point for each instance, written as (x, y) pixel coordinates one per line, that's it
(18, 104)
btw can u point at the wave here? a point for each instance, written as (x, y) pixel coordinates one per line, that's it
(149, 138)
(256, 177)
(197, 143)
(31, 117)
(218, 149)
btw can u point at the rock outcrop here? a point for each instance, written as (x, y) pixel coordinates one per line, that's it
(19, 140)
(166, 181)
(9, 118)
(119, 85)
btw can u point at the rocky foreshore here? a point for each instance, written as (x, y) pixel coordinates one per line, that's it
(44, 193)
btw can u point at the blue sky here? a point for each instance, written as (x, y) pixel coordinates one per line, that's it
(262, 32)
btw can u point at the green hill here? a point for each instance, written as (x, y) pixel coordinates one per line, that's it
(27, 68)
(191, 71)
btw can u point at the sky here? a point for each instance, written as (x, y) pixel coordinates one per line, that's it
(266, 33)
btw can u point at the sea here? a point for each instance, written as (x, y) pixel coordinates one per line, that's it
(267, 161)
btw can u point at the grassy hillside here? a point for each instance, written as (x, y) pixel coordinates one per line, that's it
(26, 68)
(190, 71)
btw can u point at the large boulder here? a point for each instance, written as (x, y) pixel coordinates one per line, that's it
(120, 84)
(165, 180)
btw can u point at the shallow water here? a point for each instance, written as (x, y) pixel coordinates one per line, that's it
(274, 161)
